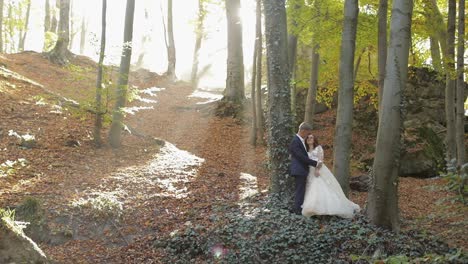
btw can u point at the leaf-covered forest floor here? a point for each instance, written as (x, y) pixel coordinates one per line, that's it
(101, 205)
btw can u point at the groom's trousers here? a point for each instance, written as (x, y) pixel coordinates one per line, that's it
(300, 192)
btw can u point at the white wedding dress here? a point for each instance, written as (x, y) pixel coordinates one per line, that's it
(323, 195)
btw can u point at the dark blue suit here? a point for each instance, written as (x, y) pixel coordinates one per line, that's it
(300, 163)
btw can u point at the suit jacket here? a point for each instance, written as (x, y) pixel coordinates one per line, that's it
(300, 161)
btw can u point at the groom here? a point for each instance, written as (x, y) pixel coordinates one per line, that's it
(300, 163)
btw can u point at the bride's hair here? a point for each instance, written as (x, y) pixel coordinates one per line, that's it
(314, 145)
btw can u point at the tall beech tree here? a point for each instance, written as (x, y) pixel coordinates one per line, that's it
(115, 132)
(460, 115)
(450, 83)
(279, 102)
(234, 91)
(258, 87)
(382, 44)
(199, 33)
(171, 50)
(60, 53)
(24, 29)
(311, 99)
(344, 119)
(383, 195)
(99, 110)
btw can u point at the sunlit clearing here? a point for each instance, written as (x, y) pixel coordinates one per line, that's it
(210, 97)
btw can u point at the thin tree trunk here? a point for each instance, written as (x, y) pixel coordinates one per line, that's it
(121, 95)
(358, 63)
(235, 62)
(383, 196)
(279, 102)
(344, 119)
(1, 26)
(99, 110)
(460, 116)
(144, 42)
(253, 133)
(450, 83)
(46, 23)
(72, 27)
(26, 25)
(84, 30)
(382, 44)
(54, 24)
(258, 90)
(171, 51)
(311, 100)
(435, 53)
(199, 37)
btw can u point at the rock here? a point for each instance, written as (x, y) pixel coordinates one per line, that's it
(16, 247)
(360, 183)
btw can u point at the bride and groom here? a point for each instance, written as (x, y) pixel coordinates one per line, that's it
(317, 190)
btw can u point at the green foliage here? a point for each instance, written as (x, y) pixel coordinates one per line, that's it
(49, 41)
(457, 180)
(270, 234)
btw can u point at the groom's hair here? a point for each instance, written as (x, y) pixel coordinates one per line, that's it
(305, 126)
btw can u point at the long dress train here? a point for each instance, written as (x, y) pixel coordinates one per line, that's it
(324, 195)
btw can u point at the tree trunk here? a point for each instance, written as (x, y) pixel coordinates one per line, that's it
(292, 52)
(382, 45)
(72, 27)
(383, 196)
(344, 119)
(60, 53)
(26, 24)
(435, 53)
(253, 132)
(450, 83)
(235, 62)
(1, 26)
(171, 51)
(54, 24)
(279, 102)
(258, 90)
(198, 40)
(358, 63)
(121, 93)
(311, 100)
(84, 30)
(144, 42)
(460, 117)
(99, 110)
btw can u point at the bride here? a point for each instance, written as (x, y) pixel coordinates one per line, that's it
(324, 195)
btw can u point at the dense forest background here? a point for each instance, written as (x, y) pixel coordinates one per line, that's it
(158, 131)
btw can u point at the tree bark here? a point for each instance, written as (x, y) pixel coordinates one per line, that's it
(279, 102)
(311, 100)
(144, 42)
(383, 196)
(84, 30)
(253, 133)
(198, 40)
(344, 119)
(60, 53)
(121, 93)
(435, 53)
(26, 24)
(54, 23)
(1, 26)
(258, 90)
(460, 116)
(382, 44)
(450, 83)
(171, 51)
(99, 110)
(292, 54)
(235, 62)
